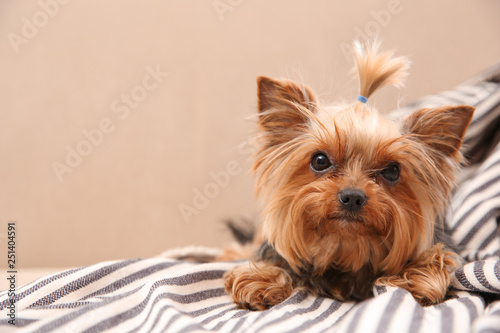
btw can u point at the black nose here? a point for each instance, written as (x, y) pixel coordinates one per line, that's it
(352, 200)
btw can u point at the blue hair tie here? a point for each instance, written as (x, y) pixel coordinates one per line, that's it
(362, 99)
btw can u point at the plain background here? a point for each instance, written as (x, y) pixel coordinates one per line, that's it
(66, 70)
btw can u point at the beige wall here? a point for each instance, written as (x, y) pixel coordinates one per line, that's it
(69, 73)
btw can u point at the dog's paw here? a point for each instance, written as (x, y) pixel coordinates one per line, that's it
(425, 291)
(427, 278)
(258, 288)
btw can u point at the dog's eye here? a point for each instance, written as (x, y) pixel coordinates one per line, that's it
(320, 162)
(391, 173)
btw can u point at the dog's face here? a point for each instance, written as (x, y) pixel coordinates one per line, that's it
(346, 187)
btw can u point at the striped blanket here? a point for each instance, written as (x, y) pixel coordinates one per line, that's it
(161, 294)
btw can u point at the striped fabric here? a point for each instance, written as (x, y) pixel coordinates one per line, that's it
(168, 295)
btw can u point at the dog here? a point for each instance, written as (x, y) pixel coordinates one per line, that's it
(351, 199)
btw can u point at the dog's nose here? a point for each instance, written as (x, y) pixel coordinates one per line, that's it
(352, 199)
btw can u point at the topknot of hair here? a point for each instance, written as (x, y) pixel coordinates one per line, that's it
(377, 68)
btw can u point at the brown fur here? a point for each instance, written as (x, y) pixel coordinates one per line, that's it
(310, 240)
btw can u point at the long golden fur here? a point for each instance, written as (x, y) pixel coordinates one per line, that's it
(351, 198)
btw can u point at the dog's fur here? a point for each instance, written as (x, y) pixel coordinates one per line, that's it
(351, 199)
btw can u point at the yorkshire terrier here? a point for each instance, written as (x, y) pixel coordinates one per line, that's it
(352, 199)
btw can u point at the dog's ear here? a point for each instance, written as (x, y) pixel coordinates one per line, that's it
(442, 128)
(283, 103)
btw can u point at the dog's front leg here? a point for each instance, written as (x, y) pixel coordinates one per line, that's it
(258, 286)
(427, 278)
